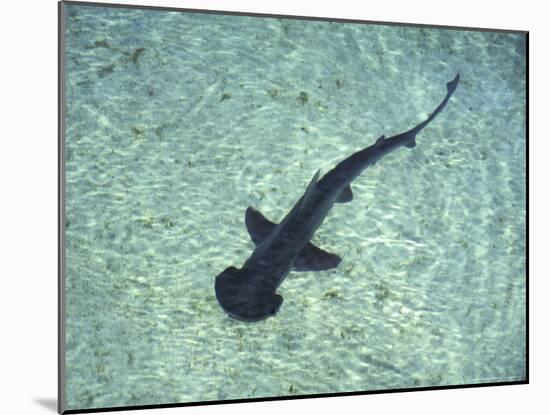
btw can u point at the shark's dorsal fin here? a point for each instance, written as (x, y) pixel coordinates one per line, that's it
(310, 187)
(345, 195)
(311, 258)
(380, 139)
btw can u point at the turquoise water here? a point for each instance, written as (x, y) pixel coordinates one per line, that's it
(177, 122)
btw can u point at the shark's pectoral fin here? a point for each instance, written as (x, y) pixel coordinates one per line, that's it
(259, 227)
(313, 258)
(345, 195)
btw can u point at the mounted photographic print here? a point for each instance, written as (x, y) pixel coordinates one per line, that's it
(256, 207)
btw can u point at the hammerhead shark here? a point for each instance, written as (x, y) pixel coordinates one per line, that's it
(249, 293)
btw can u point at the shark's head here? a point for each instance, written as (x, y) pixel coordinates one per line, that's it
(245, 295)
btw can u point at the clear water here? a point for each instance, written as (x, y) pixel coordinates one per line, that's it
(177, 122)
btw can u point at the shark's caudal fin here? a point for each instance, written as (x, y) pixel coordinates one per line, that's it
(411, 134)
(451, 86)
(311, 258)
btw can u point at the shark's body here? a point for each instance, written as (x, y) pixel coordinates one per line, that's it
(249, 293)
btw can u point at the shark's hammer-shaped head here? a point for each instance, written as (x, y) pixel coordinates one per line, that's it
(243, 295)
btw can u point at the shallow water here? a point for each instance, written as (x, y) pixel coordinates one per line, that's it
(177, 122)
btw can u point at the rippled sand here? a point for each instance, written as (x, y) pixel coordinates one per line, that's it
(177, 122)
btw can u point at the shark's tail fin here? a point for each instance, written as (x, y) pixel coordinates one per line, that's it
(451, 86)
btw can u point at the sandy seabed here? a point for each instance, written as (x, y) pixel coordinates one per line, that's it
(177, 122)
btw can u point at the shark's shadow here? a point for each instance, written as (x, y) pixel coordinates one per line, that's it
(249, 293)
